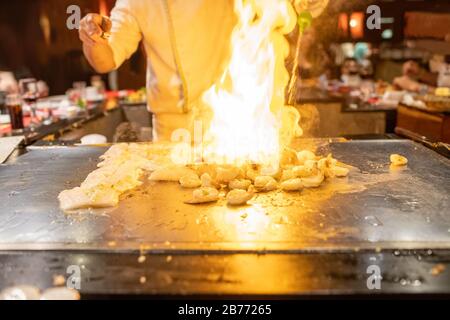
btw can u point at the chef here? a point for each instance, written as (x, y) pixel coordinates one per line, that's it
(186, 42)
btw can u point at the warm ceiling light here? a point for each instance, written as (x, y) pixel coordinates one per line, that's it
(343, 24)
(356, 24)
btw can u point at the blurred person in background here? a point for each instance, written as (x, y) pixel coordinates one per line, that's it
(414, 78)
(362, 55)
(350, 72)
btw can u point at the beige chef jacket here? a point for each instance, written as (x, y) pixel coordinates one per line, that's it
(187, 44)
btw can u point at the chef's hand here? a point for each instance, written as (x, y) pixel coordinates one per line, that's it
(93, 28)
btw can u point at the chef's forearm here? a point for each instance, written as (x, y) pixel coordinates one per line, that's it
(100, 57)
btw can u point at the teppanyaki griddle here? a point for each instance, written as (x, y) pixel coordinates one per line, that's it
(375, 208)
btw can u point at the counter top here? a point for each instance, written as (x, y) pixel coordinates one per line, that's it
(60, 125)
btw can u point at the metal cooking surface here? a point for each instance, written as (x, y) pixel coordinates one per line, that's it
(375, 208)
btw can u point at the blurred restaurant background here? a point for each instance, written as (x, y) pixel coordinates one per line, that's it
(354, 82)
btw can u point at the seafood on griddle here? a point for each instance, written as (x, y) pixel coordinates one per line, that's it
(398, 160)
(239, 197)
(124, 167)
(190, 181)
(292, 185)
(120, 170)
(204, 195)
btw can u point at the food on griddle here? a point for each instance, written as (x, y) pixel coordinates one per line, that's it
(331, 168)
(307, 169)
(304, 155)
(437, 269)
(265, 183)
(204, 195)
(288, 174)
(313, 181)
(207, 181)
(190, 181)
(79, 198)
(326, 165)
(398, 160)
(138, 153)
(242, 184)
(251, 174)
(171, 173)
(239, 197)
(120, 171)
(225, 175)
(123, 167)
(340, 171)
(292, 185)
(288, 156)
(120, 178)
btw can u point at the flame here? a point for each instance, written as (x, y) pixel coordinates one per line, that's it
(250, 121)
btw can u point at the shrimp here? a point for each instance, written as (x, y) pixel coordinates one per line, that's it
(313, 181)
(242, 184)
(339, 171)
(207, 181)
(265, 183)
(288, 174)
(304, 155)
(292, 185)
(204, 195)
(225, 175)
(190, 181)
(398, 160)
(239, 197)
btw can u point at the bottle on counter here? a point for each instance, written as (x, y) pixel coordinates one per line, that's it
(14, 106)
(3, 109)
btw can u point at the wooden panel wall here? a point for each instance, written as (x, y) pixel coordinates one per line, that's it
(60, 62)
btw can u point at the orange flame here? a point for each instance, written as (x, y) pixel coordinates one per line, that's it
(250, 120)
